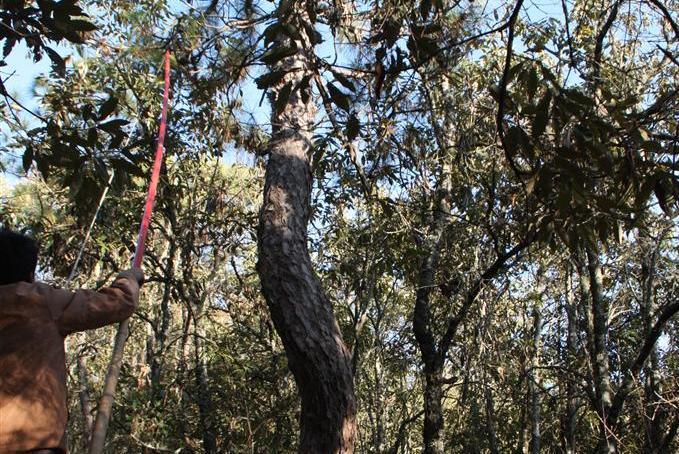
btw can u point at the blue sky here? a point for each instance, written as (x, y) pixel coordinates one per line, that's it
(18, 77)
(26, 71)
(20, 62)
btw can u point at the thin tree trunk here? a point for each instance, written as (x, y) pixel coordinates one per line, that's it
(433, 412)
(533, 382)
(422, 323)
(84, 395)
(163, 325)
(490, 418)
(523, 446)
(653, 413)
(599, 353)
(301, 312)
(475, 435)
(379, 410)
(433, 363)
(183, 374)
(571, 355)
(205, 406)
(432, 357)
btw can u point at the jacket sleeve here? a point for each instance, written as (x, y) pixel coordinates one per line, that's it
(87, 309)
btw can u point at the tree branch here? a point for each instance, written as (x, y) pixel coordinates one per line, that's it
(499, 119)
(638, 363)
(491, 272)
(668, 16)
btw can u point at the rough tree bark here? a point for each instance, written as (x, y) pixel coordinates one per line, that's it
(301, 312)
(162, 323)
(422, 326)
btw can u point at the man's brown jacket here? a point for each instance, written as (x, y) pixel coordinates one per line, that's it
(35, 318)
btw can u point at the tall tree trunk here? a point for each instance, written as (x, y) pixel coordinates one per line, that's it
(183, 375)
(490, 417)
(301, 312)
(534, 375)
(433, 352)
(433, 411)
(571, 361)
(654, 413)
(599, 351)
(432, 357)
(523, 446)
(379, 409)
(163, 322)
(205, 406)
(84, 394)
(433, 362)
(534, 381)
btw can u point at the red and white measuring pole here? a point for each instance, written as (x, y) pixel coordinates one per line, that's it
(106, 403)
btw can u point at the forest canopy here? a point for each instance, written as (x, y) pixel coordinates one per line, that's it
(381, 227)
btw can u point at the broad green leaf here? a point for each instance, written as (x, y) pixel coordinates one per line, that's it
(82, 25)
(346, 83)
(108, 107)
(27, 158)
(541, 115)
(531, 82)
(270, 32)
(339, 98)
(277, 54)
(353, 127)
(269, 79)
(58, 64)
(113, 126)
(282, 97)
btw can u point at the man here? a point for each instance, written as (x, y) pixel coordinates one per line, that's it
(35, 318)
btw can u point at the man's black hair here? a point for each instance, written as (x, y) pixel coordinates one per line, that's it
(18, 257)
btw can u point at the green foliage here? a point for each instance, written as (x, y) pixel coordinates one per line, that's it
(40, 21)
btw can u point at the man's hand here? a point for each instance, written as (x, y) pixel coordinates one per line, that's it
(135, 273)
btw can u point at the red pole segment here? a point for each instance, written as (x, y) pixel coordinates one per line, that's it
(155, 175)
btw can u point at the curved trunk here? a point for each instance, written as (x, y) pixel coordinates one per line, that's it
(302, 314)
